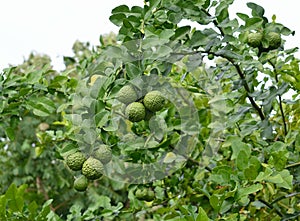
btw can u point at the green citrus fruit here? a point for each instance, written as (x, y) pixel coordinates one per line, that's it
(127, 94)
(103, 153)
(255, 39)
(210, 56)
(92, 168)
(75, 160)
(274, 40)
(135, 112)
(154, 101)
(81, 183)
(144, 194)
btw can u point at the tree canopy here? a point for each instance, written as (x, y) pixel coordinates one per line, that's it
(221, 141)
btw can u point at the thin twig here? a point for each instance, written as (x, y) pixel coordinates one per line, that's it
(293, 165)
(271, 207)
(285, 196)
(280, 99)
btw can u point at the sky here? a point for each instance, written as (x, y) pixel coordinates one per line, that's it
(51, 27)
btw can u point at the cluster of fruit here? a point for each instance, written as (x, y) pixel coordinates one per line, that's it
(272, 39)
(91, 167)
(139, 109)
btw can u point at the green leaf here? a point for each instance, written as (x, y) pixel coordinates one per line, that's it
(242, 16)
(41, 106)
(199, 39)
(222, 11)
(45, 211)
(221, 175)
(14, 196)
(242, 160)
(153, 5)
(170, 157)
(228, 54)
(3, 202)
(237, 145)
(182, 31)
(245, 191)
(287, 178)
(34, 77)
(32, 208)
(120, 9)
(256, 9)
(253, 23)
(132, 70)
(264, 175)
(117, 19)
(202, 216)
(10, 133)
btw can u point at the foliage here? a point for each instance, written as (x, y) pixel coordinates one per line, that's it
(224, 147)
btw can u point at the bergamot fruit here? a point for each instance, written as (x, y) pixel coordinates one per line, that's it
(154, 101)
(103, 153)
(127, 94)
(255, 39)
(135, 112)
(145, 194)
(150, 195)
(81, 183)
(274, 40)
(92, 168)
(141, 193)
(75, 160)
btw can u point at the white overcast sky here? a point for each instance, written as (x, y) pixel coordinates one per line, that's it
(51, 27)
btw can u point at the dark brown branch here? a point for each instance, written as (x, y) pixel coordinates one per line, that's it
(271, 207)
(246, 86)
(241, 75)
(285, 197)
(280, 100)
(215, 22)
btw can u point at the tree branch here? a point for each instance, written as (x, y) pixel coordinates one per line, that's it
(246, 86)
(41, 189)
(280, 99)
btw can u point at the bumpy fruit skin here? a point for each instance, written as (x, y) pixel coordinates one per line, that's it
(141, 193)
(150, 195)
(274, 40)
(145, 194)
(92, 168)
(127, 94)
(103, 153)
(135, 112)
(75, 160)
(81, 183)
(154, 101)
(255, 39)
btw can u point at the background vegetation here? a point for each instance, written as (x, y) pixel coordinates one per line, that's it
(240, 163)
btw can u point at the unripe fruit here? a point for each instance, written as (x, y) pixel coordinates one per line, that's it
(274, 40)
(92, 168)
(103, 153)
(154, 101)
(75, 160)
(255, 39)
(135, 112)
(127, 94)
(81, 183)
(145, 194)
(210, 56)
